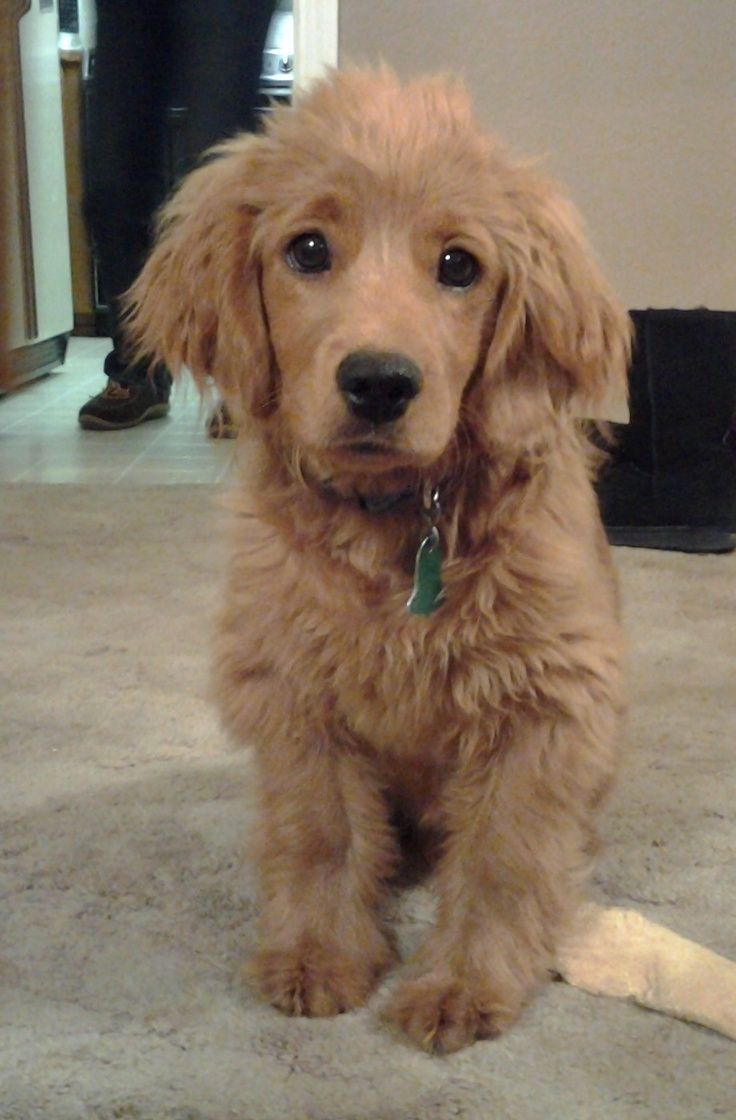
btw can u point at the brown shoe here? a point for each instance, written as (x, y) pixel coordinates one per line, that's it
(221, 424)
(122, 406)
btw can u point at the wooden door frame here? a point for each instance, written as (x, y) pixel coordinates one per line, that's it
(18, 9)
(315, 39)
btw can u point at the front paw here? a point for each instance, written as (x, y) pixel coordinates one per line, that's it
(442, 1013)
(314, 980)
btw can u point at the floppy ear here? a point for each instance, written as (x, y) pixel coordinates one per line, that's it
(197, 302)
(557, 315)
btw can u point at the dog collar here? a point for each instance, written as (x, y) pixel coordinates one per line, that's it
(386, 503)
(427, 590)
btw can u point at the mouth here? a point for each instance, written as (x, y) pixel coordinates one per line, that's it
(370, 447)
(372, 466)
(370, 455)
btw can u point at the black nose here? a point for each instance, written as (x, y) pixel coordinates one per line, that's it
(378, 387)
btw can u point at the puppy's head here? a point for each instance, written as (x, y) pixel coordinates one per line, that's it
(372, 275)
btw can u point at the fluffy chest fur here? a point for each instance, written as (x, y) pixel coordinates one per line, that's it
(322, 626)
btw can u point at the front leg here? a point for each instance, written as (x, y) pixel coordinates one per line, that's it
(324, 853)
(519, 841)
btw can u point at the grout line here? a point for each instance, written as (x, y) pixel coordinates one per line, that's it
(226, 469)
(42, 408)
(137, 458)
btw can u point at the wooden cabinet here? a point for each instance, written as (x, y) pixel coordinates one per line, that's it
(72, 103)
(37, 296)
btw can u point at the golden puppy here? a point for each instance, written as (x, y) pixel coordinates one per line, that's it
(405, 321)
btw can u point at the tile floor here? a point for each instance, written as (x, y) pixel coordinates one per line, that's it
(41, 441)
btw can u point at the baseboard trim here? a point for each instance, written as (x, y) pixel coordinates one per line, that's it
(37, 358)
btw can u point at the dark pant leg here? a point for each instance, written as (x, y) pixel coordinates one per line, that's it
(125, 179)
(222, 54)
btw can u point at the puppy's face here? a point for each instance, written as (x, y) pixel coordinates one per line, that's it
(378, 309)
(373, 276)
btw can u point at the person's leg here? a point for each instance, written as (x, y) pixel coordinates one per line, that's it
(219, 45)
(221, 48)
(125, 185)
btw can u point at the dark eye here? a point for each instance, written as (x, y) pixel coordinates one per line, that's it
(457, 268)
(309, 252)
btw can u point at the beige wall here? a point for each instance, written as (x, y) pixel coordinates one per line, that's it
(633, 102)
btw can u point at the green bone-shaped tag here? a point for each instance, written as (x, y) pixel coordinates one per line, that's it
(428, 592)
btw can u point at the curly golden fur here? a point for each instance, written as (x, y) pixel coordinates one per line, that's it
(484, 735)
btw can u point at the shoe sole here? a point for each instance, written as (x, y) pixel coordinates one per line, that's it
(222, 431)
(97, 424)
(672, 538)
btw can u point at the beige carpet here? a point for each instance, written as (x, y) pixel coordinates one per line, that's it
(126, 907)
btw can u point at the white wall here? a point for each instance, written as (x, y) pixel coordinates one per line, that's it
(633, 101)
